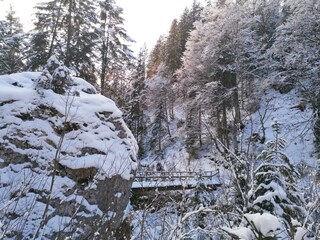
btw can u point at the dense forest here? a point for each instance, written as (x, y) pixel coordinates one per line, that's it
(233, 87)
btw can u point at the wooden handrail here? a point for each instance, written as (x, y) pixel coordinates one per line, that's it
(174, 175)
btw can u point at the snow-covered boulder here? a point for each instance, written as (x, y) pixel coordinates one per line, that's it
(66, 161)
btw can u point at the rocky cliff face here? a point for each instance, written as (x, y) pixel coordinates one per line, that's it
(66, 161)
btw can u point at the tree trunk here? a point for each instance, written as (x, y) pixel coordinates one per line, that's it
(237, 119)
(104, 56)
(199, 126)
(69, 34)
(54, 32)
(225, 126)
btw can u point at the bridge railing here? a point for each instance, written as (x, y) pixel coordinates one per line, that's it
(165, 176)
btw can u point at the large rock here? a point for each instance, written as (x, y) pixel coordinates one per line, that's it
(66, 161)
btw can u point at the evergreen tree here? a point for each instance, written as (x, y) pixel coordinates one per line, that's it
(115, 52)
(186, 23)
(159, 126)
(156, 57)
(173, 49)
(81, 38)
(275, 189)
(45, 37)
(185, 27)
(11, 44)
(61, 80)
(135, 116)
(3, 51)
(118, 84)
(273, 196)
(193, 130)
(178, 35)
(44, 81)
(67, 29)
(159, 99)
(37, 52)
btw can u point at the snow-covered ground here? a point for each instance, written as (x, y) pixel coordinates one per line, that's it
(295, 125)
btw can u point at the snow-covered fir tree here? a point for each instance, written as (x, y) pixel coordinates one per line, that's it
(67, 29)
(275, 189)
(12, 44)
(135, 116)
(114, 49)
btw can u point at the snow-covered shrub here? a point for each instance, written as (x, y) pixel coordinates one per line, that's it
(52, 64)
(44, 81)
(61, 80)
(55, 76)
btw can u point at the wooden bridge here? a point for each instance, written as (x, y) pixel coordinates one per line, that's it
(162, 180)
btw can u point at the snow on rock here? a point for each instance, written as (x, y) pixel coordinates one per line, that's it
(79, 138)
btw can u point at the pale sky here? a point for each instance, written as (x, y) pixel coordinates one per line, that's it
(145, 20)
